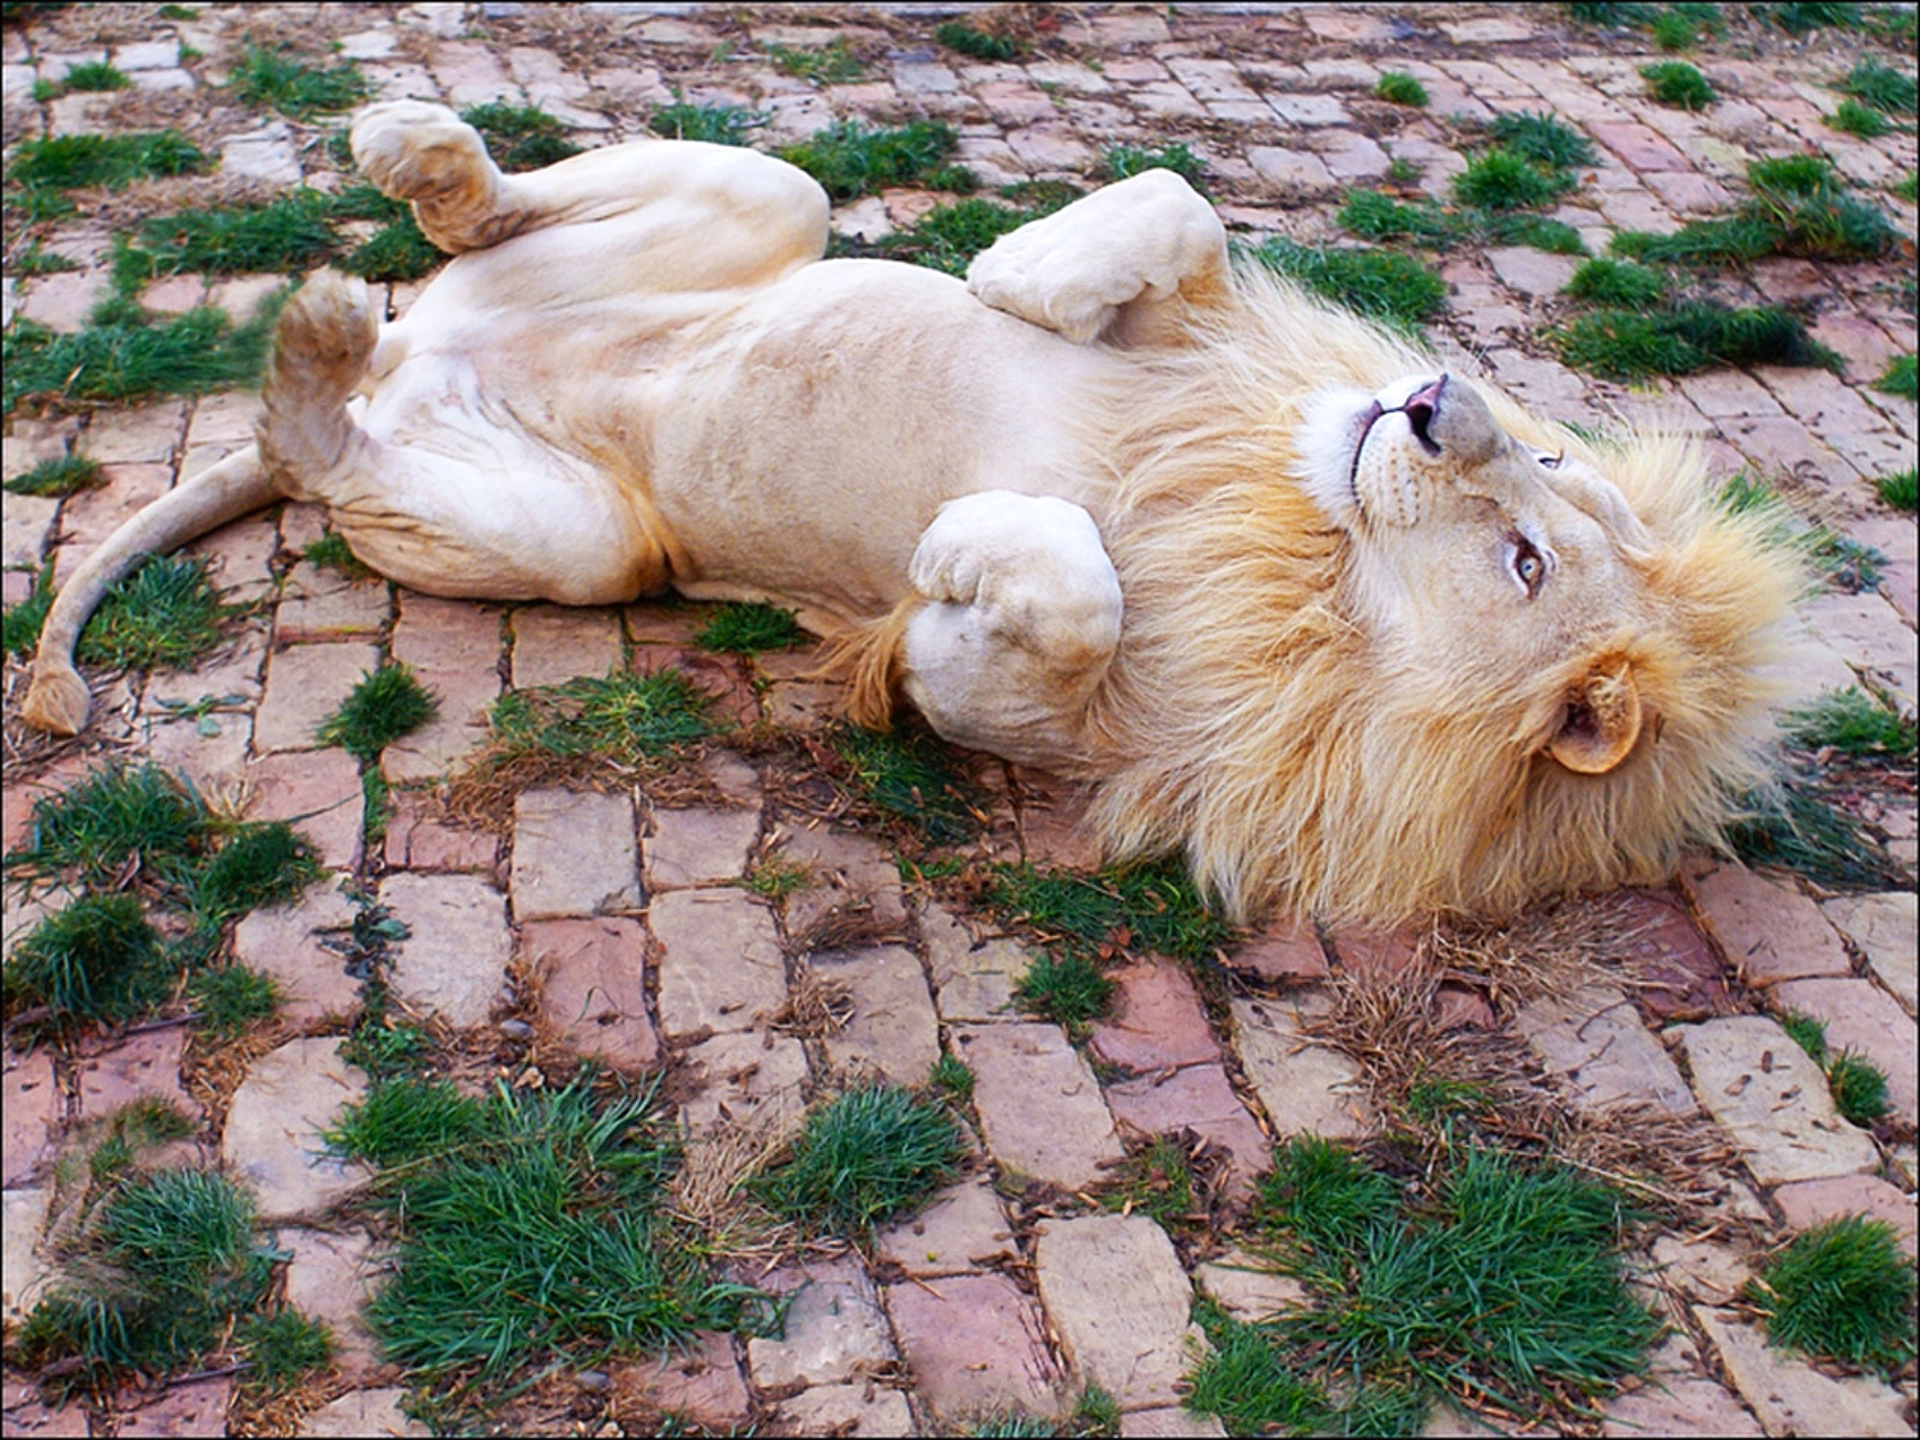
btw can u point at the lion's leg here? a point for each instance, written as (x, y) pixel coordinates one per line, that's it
(650, 215)
(1020, 618)
(1128, 264)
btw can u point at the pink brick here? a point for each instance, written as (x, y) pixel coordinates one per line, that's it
(1807, 1203)
(1863, 1018)
(1769, 930)
(1156, 1020)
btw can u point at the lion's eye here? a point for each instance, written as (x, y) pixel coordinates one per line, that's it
(1551, 462)
(1529, 568)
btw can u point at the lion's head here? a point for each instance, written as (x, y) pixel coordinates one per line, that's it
(1394, 646)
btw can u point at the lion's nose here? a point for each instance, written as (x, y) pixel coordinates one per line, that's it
(1422, 409)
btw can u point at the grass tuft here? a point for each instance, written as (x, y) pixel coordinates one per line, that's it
(1853, 723)
(1881, 87)
(331, 552)
(1541, 138)
(1154, 907)
(260, 863)
(1900, 379)
(1325, 1197)
(959, 36)
(715, 124)
(1799, 207)
(97, 961)
(1379, 284)
(288, 236)
(1808, 1033)
(520, 137)
(626, 719)
(232, 999)
(1156, 1181)
(386, 704)
(115, 817)
(73, 162)
(861, 1159)
(1067, 989)
(833, 64)
(96, 75)
(1850, 117)
(271, 80)
(747, 629)
(193, 354)
(1619, 283)
(1901, 491)
(1841, 1290)
(1792, 826)
(397, 252)
(1681, 27)
(165, 613)
(1397, 87)
(1676, 83)
(62, 475)
(282, 1348)
(953, 1075)
(405, 1119)
(1799, 19)
(1506, 180)
(909, 774)
(947, 237)
(21, 625)
(1859, 1088)
(850, 160)
(1624, 344)
(1125, 161)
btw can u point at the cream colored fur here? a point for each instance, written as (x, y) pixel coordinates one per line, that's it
(1352, 636)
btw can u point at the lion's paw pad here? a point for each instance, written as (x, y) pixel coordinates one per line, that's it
(329, 323)
(413, 150)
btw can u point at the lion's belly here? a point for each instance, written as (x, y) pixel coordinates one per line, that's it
(802, 447)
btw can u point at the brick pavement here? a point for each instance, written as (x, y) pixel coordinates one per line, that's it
(625, 916)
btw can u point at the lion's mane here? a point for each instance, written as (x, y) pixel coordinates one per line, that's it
(1247, 722)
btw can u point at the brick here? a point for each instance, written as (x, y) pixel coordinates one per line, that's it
(1789, 1395)
(893, 1031)
(574, 853)
(272, 1142)
(958, 1231)
(975, 1344)
(1039, 1106)
(593, 987)
(1863, 1018)
(1866, 632)
(364, 1412)
(1156, 1020)
(1286, 950)
(1807, 1203)
(1248, 1288)
(1592, 1041)
(1677, 1398)
(1773, 1100)
(327, 604)
(305, 684)
(1196, 1098)
(416, 840)
(198, 1408)
(855, 1411)
(700, 1381)
(1309, 111)
(1119, 1300)
(834, 1328)
(844, 873)
(1530, 271)
(1306, 1089)
(1676, 974)
(331, 1276)
(453, 962)
(138, 1066)
(29, 1116)
(1883, 928)
(1770, 932)
(753, 1077)
(319, 793)
(553, 644)
(88, 518)
(699, 847)
(973, 979)
(720, 962)
(26, 1268)
(1046, 146)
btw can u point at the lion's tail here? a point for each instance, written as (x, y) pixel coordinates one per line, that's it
(872, 659)
(58, 699)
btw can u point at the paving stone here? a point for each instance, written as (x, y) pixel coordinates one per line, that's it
(699, 847)
(319, 793)
(1790, 1396)
(1773, 1100)
(1039, 1106)
(972, 980)
(1306, 1089)
(1883, 926)
(1051, 814)
(1676, 974)
(265, 155)
(272, 1136)
(720, 961)
(975, 1344)
(25, 530)
(1289, 170)
(26, 1415)
(199, 1408)
(454, 649)
(700, 1381)
(331, 1277)
(322, 603)
(553, 644)
(593, 987)
(1119, 1301)
(305, 684)
(1594, 1043)
(28, 1117)
(574, 853)
(1677, 1398)
(893, 1031)
(1702, 1270)
(147, 1064)
(1248, 1288)
(1286, 950)
(88, 518)
(360, 1413)
(416, 840)
(137, 434)
(1156, 1020)
(1530, 271)
(25, 1270)
(1807, 1203)
(1198, 1098)
(1769, 930)
(843, 871)
(285, 942)
(453, 962)
(747, 1077)
(860, 1410)
(1866, 631)
(1863, 1018)
(1169, 1420)
(834, 1328)
(960, 1229)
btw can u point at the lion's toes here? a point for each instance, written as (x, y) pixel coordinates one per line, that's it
(327, 330)
(413, 150)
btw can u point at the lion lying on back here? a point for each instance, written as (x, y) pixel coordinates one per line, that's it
(1354, 634)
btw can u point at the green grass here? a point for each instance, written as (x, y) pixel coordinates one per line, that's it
(1907, 187)
(1067, 989)
(520, 137)
(959, 36)
(1853, 118)
(397, 252)
(833, 64)
(626, 719)
(1794, 827)
(715, 124)
(1497, 1282)
(289, 235)
(1539, 137)
(747, 629)
(73, 162)
(1618, 283)
(97, 961)
(232, 999)
(1808, 1033)
(1799, 207)
(260, 863)
(404, 1119)
(1853, 723)
(775, 878)
(1899, 490)
(1158, 1181)
(268, 79)
(95, 828)
(1881, 87)
(947, 237)
(178, 12)
(1505, 180)
(62, 475)
(22, 623)
(1124, 161)
(164, 614)
(96, 75)
(35, 259)
(953, 1075)
(908, 774)
(1859, 1088)
(1556, 237)
(331, 552)
(386, 704)
(1681, 27)
(1612, 14)
(861, 1159)
(1374, 216)
(1899, 379)
(1154, 907)
(1800, 19)
(533, 1231)
(1694, 335)
(1842, 1290)
(281, 1349)
(1676, 83)
(850, 160)
(1397, 87)
(124, 359)
(1394, 289)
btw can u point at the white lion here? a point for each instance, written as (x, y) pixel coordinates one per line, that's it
(1350, 632)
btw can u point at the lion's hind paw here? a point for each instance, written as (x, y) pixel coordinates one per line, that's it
(413, 150)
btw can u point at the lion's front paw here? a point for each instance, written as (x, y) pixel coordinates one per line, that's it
(413, 150)
(326, 331)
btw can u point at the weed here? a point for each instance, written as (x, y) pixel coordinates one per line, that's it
(1798, 19)
(289, 235)
(1541, 138)
(1157, 1181)
(281, 1348)
(1899, 490)
(833, 64)
(331, 552)
(1153, 907)
(958, 35)
(398, 251)
(543, 1228)
(1907, 187)
(1841, 1290)
(1808, 1033)
(1617, 282)
(193, 354)
(947, 237)
(1626, 344)
(96, 75)
(1859, 1088)
(73, 162)
(261, 863)
(715, 124)
(1124, 161)
(1506, 180)
(98, 960)
(746, 629)
(164, 613)
(232, 998)
(1373, 216)
(1852, 118)
(1900, 379)
(62, 475)
(1793, 827)
(1394, 289)
(953, 1075)
(386, 704)
(850, 161)
(907, 773)
(1399, 88)
(626, 719)
(1853, 723)
(272, 80)
(403, 1119)
(775, 878)
(861, 1159)
(1676, 83)
(1067, 989)
(520, 137)
(117, 817)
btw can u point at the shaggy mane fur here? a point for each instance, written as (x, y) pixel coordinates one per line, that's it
(1249, 723)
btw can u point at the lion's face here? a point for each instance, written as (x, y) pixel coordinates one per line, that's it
(1484, 566)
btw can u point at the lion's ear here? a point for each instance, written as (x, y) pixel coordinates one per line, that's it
(1601, 722)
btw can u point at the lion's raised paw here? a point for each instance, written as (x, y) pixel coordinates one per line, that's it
(414, 150)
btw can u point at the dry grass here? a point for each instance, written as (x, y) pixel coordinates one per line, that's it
(815, 1007)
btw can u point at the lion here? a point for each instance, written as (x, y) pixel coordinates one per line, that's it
(1355, 633)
